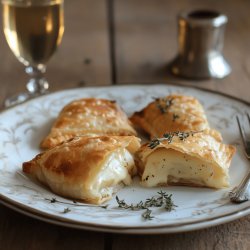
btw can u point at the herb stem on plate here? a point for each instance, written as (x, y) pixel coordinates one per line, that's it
(162, 199)
(74, 203)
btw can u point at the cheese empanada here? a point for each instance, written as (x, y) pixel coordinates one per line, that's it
(89, 116)
(86, 168)
(169, 114)
(186, 158)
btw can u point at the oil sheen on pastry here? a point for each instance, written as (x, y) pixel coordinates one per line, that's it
(89, 116)
(193, 159)
(169, 114)
(86, 168)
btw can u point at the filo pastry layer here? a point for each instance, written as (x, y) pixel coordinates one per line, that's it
(169, 114)
(201, 159)
(88, 116)
(86, 168)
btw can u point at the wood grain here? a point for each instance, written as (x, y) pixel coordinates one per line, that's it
(81, 60)
(234, 235)
(21, 232)
(146, 42)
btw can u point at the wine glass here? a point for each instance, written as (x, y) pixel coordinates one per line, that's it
(33, 30)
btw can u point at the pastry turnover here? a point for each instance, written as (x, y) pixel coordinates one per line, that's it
(86, 168)
(169, 114)
(89, 116)
(193, 159)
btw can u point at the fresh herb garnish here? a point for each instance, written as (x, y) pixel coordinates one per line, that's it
(166, 137)
(175, 116)
(163, 104)
(161, 200)
(75, 203)
(169, 204)
(66, 210)
(147, 215)
(53, 200)
(169, 137)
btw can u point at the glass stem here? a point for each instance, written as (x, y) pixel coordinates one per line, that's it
(37, 84)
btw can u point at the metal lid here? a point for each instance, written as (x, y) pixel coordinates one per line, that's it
(203, 18)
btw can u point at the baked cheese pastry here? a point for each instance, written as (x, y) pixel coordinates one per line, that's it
(186, 158)
(89, 116)
(169, 114)
(86, 168)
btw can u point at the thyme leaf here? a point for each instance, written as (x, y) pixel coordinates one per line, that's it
(175, 116)
(147, 214)
(169, 137)
(163, 104)
(169, 203)
(166, 137)
(154, 143)
(66, 210)
(53, 200)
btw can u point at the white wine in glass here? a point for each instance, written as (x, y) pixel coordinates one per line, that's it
(33, 30)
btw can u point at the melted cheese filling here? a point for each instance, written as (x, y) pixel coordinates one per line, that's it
(166, 166)
(116, 169)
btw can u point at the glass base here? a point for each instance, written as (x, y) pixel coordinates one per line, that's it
(37, 83)
(16, 99)
(38, 86)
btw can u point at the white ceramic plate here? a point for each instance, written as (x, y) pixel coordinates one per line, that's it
(23, 127)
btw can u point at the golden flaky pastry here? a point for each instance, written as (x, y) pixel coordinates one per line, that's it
(89, 116)
(193, 159)
(169, 114)
(86, 168)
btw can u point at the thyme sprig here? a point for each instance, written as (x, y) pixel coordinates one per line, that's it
(169, 137)
(163, 104)
(75, 203)
(161, 200)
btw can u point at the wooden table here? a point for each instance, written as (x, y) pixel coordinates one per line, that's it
(126, 42)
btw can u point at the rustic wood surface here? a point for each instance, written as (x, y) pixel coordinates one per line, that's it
(134, 45)
(146, 41)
